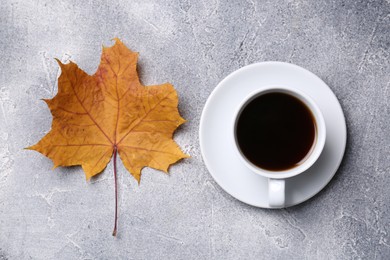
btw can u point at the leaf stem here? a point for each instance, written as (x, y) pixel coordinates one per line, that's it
(116, 192)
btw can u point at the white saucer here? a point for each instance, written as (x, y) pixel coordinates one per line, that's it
(215, 136)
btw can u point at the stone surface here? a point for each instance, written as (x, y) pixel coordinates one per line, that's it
(46, 214)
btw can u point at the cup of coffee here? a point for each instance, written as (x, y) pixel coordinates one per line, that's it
(279, 132)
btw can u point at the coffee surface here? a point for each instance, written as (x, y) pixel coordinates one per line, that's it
(276, 131)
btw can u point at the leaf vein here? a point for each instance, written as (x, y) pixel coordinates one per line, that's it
(141, 120)
(98, 126)
(145, 149)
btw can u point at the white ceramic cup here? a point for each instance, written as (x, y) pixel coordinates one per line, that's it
(277, 179)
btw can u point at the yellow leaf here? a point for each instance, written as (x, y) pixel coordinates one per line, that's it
(111, 112)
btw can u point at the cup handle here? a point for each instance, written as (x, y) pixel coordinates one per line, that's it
(276, 193)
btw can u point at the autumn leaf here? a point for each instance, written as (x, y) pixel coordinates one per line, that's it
(95, 117)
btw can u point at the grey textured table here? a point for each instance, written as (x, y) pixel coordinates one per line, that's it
(47, 214)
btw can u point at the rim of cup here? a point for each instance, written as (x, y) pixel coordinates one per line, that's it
(316, 149)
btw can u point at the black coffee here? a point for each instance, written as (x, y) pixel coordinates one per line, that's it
(276, 131)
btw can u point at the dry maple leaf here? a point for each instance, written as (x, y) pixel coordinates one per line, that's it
(110, 112)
